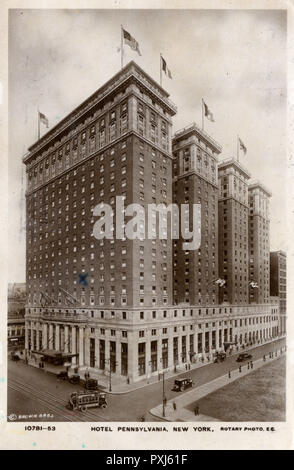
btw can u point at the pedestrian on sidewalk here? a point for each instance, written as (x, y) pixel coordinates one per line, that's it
(251, 363)
(196, 410)
(240, 369)
(248, 365)
(264, 358)
(229, 374)
(174, 406)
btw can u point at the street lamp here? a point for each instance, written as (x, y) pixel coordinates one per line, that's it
(184, 356)
(149, 369)
(163, 391)
(111, 363)
(192, 354)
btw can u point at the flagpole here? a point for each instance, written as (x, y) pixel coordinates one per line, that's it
(160, 67)
(202, 114)
(121, 47)
(237, 148)
(38, 124)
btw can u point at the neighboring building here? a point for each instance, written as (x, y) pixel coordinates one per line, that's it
(195, 182)
(259, 245)
(16, 314)
(278, 282)
(108, 304)
(233, 231)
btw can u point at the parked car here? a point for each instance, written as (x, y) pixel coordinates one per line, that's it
(91, 384)
(244, 357)
(15, 357)
(74, 379)
(181, 384)
(220, 357)
(63, 375)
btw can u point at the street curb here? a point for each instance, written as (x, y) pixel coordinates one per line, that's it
(124, 392)
(193, 368)
(213, 391)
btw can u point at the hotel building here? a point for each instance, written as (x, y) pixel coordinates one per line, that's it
(259, 246)
(278, 282)
(195, 182)
(233, 231)
(108, 304)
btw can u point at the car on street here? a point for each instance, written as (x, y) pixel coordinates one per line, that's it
(83, 400)
(91, 384)
(220, 357)
(74, 379)
(244, 357)
(63, 375)
(15, 357)
(181, 384)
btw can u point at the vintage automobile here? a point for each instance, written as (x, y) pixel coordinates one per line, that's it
(83, 400)
(220, 357)
(63, 375)
(244, 357)
(74, 379)
(181, 384)
(15, 357)
(91, 384)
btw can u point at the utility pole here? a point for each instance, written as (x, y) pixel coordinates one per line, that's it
(163, 396)
(163, 391)
(108, 361)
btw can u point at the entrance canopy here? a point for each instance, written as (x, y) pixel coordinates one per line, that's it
(52, 353)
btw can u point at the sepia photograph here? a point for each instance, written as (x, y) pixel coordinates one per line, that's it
(147, 199)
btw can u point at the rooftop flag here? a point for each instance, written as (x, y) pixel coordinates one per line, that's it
(164, 68)
(207, 113)
(242, 146)
(43, 119)
(130, 41)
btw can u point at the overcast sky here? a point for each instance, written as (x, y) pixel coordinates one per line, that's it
(235, 60)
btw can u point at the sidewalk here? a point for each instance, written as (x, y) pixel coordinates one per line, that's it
(175, 409)
(118, 387)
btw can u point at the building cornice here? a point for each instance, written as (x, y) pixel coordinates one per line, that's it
(232, 162)
(257, 184)
(97, 153)
(194, 129)
(129, 72)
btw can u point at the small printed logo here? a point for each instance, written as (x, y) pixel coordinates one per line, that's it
(12, 417)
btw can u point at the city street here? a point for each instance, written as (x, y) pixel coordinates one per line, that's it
(32, 391)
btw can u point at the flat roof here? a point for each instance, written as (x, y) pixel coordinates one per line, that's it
(195, 129)
(258, 184)
(231, 161)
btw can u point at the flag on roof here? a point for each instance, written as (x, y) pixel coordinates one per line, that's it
(130, 41)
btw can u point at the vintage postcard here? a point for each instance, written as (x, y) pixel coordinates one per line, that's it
(145, 229)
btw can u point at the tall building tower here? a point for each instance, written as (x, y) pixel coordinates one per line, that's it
(86, 297)
(259, 247)
(278, 282)
(195, 182)
(233, 231)
(278, 277)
